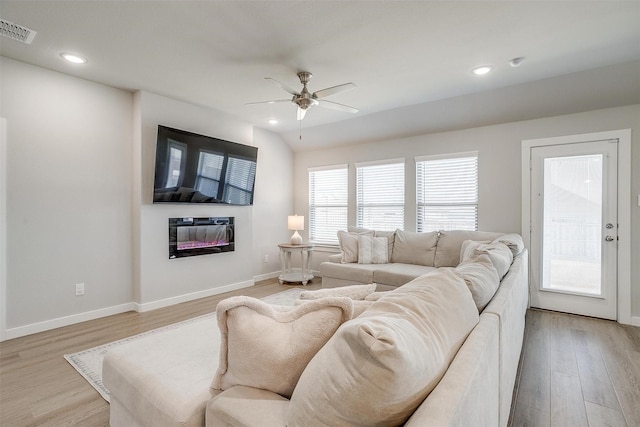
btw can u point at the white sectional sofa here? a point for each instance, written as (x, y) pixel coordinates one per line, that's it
(473, 387)
(410, 255)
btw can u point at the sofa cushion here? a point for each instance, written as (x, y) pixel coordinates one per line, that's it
(355, 292)
(361, 273)
(499, 254)
(449, 244)
(242, 406)
(397, 274)
(380, 366)
(481, 278)
(372, 250)
(414, 248)
(157, 382)
(266, 348)
(349, 244)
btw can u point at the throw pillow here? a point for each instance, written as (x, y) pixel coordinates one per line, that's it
(391, 238)
(513, 241)
(355, 292)
(375, 296)
(373, 250)
(265, 348)
(360, 306)
(500, 255)
(468, 248)
(379, 367)
(481, 278)
(349, 245)
(414, 248)
(450, 241)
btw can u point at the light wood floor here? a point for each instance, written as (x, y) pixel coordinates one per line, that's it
(577, 371)
(573, 368)
(38, 387)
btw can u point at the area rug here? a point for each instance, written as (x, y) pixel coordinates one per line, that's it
(88, 363)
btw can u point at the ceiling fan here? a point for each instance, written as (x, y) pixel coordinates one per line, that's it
(305, 99)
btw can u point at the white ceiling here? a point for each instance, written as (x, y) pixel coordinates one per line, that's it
(411, 60)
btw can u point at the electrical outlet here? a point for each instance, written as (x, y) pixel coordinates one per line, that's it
(266, 258)
(79, 289)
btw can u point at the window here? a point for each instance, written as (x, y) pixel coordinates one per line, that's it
(177, 161)
(239, 179)
(447, 192)
(327, 203)
(380, 195)
(209, 172)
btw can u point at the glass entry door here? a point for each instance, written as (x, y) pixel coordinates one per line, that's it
(574, 228)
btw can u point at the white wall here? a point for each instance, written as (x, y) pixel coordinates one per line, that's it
(78, 187)
(273, 201)
(68, 196)
(161, 281)
(499, 152)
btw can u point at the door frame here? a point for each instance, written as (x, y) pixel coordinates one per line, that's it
(624, 205)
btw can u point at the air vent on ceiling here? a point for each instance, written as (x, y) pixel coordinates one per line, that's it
(16, 32)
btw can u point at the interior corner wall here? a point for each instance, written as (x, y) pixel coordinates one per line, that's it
(3, 225)
(499, 167)
(68, 197)
(273, 202)
(162, 281)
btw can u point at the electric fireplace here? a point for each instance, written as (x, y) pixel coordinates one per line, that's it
(200, 236)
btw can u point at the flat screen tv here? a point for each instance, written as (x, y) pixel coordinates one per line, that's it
(192, 168)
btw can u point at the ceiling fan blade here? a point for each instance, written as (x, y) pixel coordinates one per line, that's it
(301, 113)
(336, 106)
(323, 93)
(283, 86)
(275, 101)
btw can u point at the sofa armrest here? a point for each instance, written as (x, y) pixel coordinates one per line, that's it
(337, 258)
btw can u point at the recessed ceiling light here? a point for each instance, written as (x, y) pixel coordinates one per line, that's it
(73, 58)
(481, 70)
(273, 121)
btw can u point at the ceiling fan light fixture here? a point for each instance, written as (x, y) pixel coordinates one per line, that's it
(304, 99)
(482, 70)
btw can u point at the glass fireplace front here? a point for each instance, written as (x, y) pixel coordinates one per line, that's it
(200, 236)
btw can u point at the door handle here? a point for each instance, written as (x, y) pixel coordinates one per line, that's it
(609, 238)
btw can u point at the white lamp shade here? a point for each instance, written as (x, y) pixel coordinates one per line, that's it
(295, 222)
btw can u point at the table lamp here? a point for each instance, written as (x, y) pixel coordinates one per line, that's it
(296, 223)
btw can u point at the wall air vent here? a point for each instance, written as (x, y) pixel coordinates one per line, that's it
(16, 32)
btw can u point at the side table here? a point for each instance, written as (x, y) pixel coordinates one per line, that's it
(290, 274)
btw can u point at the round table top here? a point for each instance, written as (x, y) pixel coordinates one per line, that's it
(290, 246)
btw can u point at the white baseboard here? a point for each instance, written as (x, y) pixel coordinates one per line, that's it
(266, 276)
(635, 320)
(47, 325)
(190, 297)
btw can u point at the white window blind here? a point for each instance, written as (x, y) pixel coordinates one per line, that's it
(380, 195)
(447, 192)
(328, 199)
(239, 180)
(209, 172)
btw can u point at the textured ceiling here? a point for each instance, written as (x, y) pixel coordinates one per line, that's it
(411, 61)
